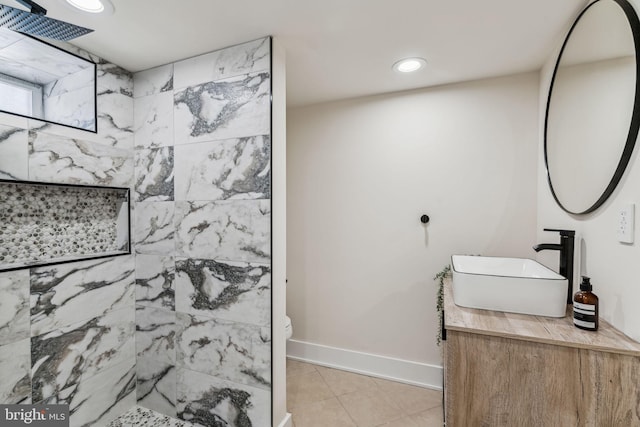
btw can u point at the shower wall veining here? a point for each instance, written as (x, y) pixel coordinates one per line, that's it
(202, 237)
(182, 326)
(67, 331)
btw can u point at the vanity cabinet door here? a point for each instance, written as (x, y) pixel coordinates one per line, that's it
(493, 381)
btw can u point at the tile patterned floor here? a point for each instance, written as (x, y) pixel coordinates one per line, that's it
(323, 397)
(143, 417)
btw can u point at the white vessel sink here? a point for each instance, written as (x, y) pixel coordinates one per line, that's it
(516, 285)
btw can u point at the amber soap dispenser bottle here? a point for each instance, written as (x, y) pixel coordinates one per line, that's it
(585, 307)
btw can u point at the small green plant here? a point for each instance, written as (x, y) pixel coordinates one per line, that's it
(440, 277)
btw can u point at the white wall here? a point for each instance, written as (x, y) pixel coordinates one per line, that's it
(609, 263)
(361, 172)
(279, 236)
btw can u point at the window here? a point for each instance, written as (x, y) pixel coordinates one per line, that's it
(20, 97)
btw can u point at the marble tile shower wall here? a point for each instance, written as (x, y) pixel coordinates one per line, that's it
(202, 237)
(74, 89)
(67, 331)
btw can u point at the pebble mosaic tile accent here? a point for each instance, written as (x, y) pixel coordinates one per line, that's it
(40, 223)
(139, 416)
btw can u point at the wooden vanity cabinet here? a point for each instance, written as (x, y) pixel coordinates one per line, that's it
(512, 370)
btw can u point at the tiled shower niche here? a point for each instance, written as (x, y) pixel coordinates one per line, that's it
(43, 223)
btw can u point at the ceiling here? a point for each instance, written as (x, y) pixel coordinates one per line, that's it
(335, 48)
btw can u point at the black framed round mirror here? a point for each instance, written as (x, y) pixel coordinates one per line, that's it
(593, 108)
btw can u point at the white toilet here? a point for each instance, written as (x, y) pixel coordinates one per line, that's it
(288, 329)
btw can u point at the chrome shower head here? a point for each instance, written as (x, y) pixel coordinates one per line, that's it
(36, 23)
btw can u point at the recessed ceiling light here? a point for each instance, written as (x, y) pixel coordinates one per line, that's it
(92, 6)
(409, 65)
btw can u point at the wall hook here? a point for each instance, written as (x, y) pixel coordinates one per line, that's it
(424, 219)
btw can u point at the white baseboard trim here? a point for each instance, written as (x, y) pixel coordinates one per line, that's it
(287, 421)
(404, 371)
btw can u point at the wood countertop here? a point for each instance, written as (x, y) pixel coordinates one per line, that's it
(547, 330)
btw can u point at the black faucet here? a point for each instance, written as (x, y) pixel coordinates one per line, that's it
(566, 245)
